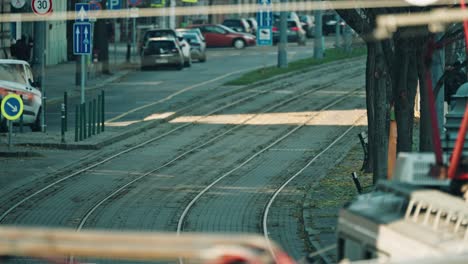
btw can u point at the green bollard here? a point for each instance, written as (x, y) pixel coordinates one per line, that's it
(65, 101)
(77, 122)
(94, 117)
(81, 122)
(103, 111)
(90, 119)
(85, 134)
(98, 121)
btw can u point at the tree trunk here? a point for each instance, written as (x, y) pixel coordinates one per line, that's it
(370, 94)
(381, 115)
(405, 82)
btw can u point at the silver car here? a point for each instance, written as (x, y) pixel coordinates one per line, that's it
(16, 77)
(161, 52)
(197, 46)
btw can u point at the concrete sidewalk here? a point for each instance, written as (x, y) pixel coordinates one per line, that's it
(62, 77)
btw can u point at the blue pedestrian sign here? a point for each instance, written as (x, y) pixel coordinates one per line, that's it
(12, 107)
(82, 38)
(82, 10)
(264, 21)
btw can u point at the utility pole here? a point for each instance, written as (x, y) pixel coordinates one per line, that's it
(39, 61)
(318, 40)
(283, 41)
(337, 31)
(172, 23)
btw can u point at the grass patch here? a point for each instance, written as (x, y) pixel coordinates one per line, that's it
(271, 71)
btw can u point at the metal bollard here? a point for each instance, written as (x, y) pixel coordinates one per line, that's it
(65, 101)
(81, 123)
(94, 117)
(102, 111)
(63, 123)
(21, 124)
(90, 118)
(21, 119)
(85, 134)
(356, 182)
(77, 122)
(98, 121)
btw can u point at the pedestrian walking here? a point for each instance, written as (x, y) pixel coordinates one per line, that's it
(23, 49)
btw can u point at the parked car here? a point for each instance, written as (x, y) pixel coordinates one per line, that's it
(290, 16)
(308, 25)
(329, 21)
(161, 52)
(295, 33)
(222, 36)
(16, 77)
(170, 33)
(238, 24)
(197, 46)
(192, 30)
(253, 24)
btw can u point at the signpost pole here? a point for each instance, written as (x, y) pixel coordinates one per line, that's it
(82, 79)
(10, 129)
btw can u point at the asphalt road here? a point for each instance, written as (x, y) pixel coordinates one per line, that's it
(135, 97)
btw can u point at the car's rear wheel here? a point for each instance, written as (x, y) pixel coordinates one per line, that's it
(239, 44)
(188, 63)
(36, 127)
(203, 59)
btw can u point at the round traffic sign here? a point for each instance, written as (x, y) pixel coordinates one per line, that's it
(18, 3)
(95, 6)
(12, 106)
(41, 7)
(134, 2)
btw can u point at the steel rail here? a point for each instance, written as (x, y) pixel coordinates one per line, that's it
(181, 221)
(118, 154)
(277, 192)
(94, 208)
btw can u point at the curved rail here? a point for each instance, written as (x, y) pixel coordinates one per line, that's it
(273, 198)
(182, 218)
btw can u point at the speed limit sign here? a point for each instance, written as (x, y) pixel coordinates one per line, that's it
(42, 7)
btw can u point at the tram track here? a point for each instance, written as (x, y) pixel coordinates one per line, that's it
(181, 156)
(182, 219)
(113, 156)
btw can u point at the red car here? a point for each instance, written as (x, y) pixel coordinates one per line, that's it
(222, 36)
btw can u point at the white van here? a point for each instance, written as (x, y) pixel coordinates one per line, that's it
(16, 77)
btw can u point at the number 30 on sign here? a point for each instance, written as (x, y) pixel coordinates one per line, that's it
(42, 7)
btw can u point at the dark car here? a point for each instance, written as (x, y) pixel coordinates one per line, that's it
(308, 25)
(329, 23)
(161, 52)
(294, 32)
(238, 24)
(222, 36)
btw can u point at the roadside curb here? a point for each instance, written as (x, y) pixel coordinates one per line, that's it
(19, 154)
